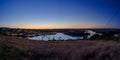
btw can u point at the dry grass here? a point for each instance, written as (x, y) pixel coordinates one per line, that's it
(60, 50)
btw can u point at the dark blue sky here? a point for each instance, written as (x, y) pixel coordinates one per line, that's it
(60, 13)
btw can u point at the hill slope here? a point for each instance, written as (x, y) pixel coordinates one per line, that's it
(22, 49)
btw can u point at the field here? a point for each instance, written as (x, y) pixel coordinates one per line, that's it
(13, 48)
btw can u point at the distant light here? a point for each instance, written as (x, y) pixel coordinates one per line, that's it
(116, 35)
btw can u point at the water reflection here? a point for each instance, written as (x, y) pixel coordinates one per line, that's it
(57, 36)
(61, 36)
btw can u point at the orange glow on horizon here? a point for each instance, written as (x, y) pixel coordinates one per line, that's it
(55, 27)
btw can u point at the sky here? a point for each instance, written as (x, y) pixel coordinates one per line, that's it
(52, 14)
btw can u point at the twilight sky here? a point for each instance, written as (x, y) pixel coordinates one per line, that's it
(49, 14)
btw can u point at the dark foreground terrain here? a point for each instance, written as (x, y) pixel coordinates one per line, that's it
(12, 48)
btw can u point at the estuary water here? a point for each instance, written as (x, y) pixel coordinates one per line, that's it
(62, 36)
(57, 36)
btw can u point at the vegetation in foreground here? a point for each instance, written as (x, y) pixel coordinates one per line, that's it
(22, 49)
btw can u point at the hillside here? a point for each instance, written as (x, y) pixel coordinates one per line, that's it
(12, 48)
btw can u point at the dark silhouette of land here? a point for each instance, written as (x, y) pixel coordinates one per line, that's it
(107, 34)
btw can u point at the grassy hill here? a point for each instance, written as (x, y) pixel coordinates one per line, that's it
(12, 48)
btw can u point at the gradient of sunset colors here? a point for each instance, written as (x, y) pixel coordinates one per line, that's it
(55, 14)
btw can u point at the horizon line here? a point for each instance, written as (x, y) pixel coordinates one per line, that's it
(61, 28)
